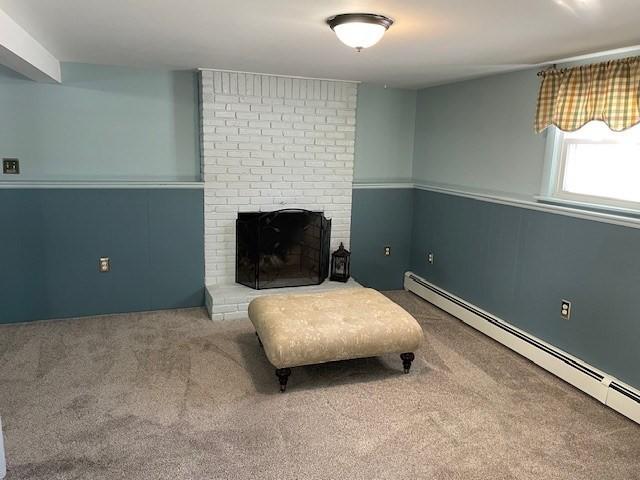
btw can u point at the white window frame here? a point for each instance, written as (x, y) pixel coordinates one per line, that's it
(553, 175)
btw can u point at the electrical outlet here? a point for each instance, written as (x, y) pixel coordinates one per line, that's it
(387, 251)
(565, 309)
(104, 265)
(430, 258)
(10, 166)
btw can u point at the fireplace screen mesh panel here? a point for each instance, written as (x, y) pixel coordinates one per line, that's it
(285, 248)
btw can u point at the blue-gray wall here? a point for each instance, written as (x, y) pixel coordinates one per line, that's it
(381, 217)
(519, 264)
(51, 240)
(478, 135)
(101, 123)
(384, 134)
(516, 263)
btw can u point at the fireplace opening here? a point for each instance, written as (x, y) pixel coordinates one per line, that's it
(285, 248)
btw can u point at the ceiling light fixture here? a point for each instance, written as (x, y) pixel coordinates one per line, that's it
(359, 30)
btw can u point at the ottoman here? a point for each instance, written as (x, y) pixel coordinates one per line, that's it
(305, 329)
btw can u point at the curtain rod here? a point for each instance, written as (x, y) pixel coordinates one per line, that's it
(548, 69)
(562, 70)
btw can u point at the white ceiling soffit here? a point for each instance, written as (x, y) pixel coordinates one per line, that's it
(20, 52)
(431, 42)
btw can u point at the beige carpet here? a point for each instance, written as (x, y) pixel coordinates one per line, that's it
(171, 395)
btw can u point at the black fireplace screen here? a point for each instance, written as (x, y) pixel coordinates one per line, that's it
(286, 248)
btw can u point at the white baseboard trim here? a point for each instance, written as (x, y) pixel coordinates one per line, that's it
(601, 386)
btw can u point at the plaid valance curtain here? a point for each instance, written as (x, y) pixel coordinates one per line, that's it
(572, 97)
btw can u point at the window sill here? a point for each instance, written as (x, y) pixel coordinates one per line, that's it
(591, 207)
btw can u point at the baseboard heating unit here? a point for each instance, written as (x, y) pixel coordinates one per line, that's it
(603, 387)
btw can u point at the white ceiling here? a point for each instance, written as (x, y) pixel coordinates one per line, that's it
(432, 41)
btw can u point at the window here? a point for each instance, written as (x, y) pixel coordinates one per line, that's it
(595, 166)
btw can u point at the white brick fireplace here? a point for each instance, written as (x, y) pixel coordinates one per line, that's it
(272, 142)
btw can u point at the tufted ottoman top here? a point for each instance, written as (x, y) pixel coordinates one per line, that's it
(304, 329)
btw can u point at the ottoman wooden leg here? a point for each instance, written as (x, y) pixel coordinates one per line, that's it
(407, 358)
(283, 376)
(259, 341)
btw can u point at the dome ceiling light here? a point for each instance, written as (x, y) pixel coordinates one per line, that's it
(359, 30)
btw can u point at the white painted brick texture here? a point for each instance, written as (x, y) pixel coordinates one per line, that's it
(271, 142)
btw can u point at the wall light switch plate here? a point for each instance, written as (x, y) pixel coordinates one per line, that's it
(104, 265)
(430, 258)
(565, 309)
(10, 166)
(387, 251)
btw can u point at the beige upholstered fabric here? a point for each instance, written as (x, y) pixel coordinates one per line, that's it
(337, 325)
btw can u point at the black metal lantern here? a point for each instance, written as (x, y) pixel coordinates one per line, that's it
(340, 265)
